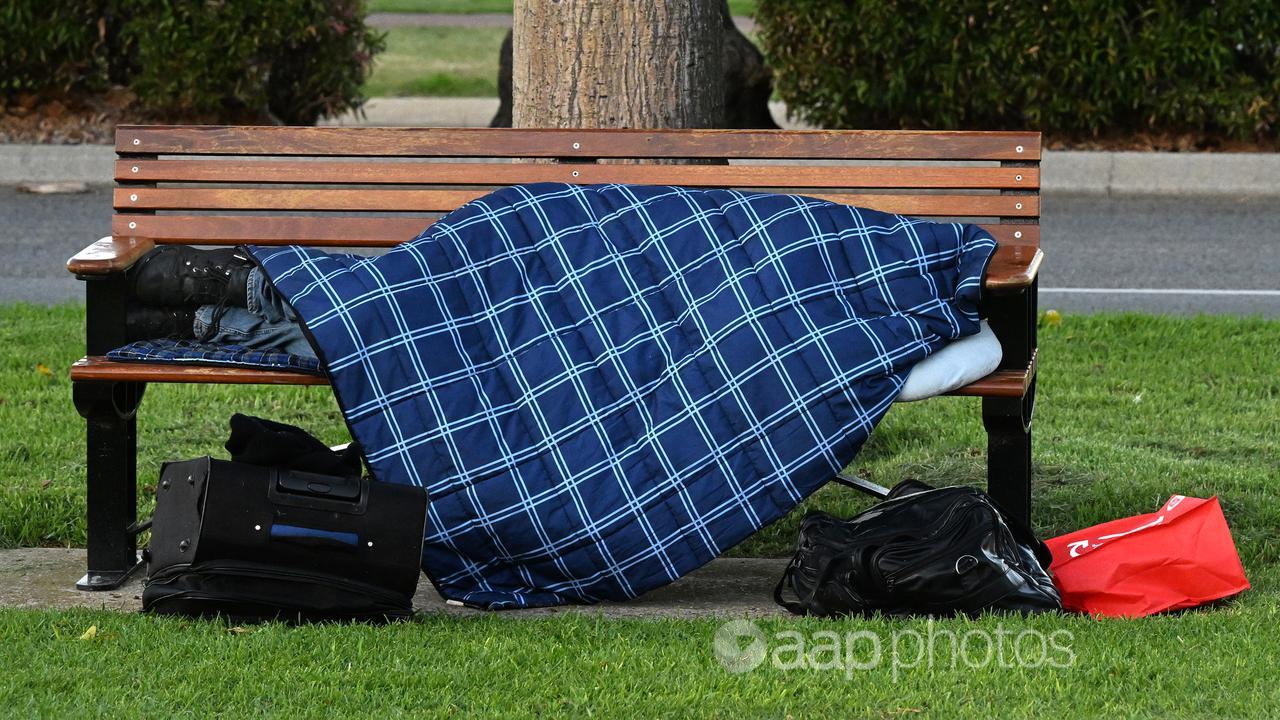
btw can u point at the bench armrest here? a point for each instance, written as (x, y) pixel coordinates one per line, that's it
(1012, 268)
(108, 255)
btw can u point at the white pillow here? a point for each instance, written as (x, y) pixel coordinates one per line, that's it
(957, 364)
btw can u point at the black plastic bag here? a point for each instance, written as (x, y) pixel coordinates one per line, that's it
(258, 441)
(922, 551)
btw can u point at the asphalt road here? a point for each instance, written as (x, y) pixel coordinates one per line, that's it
(1165, 254)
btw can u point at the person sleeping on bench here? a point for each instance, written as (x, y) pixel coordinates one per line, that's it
(221, 297)
(214, 296)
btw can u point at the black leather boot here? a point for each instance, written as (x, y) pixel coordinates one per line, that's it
(153, 323)
(181, 276)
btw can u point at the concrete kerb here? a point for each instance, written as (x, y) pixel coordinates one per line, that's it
(1156, 173)
(1062, 172)
(56, 163)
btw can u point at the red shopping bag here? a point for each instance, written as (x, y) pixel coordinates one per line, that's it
(1178, 557)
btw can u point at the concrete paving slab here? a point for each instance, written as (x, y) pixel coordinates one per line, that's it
(44, 578)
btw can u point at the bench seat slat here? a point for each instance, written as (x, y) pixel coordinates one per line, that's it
(356, 200)
(101, 369)
(487, 142)
(1007, 383)
(1002, 383)
(494, 174)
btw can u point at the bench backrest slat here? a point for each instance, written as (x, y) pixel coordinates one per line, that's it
(446, 200)
(237, 170)
(468, 142)
(346, 231)
(377, 187)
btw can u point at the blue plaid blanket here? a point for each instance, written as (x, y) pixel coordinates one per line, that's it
(602, 388)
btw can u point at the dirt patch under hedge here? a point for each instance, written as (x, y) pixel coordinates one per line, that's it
(70, 118)
(1159, 142)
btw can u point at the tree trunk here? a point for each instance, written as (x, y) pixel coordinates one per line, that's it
(618, 64)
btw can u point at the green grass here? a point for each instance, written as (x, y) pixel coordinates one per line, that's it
(441, 61)
(42, 444)
(452, 7)
(1131, 409)
(437, 61)
(737, 7)
(1203, 664)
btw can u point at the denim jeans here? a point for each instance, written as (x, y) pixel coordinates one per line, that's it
(267, 324)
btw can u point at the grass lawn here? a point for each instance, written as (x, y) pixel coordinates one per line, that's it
(737, 7)
(443, 61)
(437, 61)
(1132, 409)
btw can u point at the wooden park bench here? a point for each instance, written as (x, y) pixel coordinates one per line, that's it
(375, 187)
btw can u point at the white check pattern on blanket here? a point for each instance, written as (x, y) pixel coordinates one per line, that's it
(602, 388)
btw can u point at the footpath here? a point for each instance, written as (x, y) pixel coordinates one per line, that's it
(35, 578)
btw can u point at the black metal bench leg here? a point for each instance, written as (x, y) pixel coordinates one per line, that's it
(1008, 424)
(1008, 420)
(109, 410)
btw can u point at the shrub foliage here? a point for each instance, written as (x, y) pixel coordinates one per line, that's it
(1067, 66)
(302, 59)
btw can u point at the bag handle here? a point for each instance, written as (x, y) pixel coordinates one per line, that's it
(800, 605)
(879, 492)
(1021, 531)
(793, 607)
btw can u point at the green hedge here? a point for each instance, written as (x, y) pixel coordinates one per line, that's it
(1066, 66)
(226, 59)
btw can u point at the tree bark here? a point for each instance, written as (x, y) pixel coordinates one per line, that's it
(618, 64)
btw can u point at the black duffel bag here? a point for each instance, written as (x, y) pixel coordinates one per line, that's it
(252, 543)
(922, 551)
